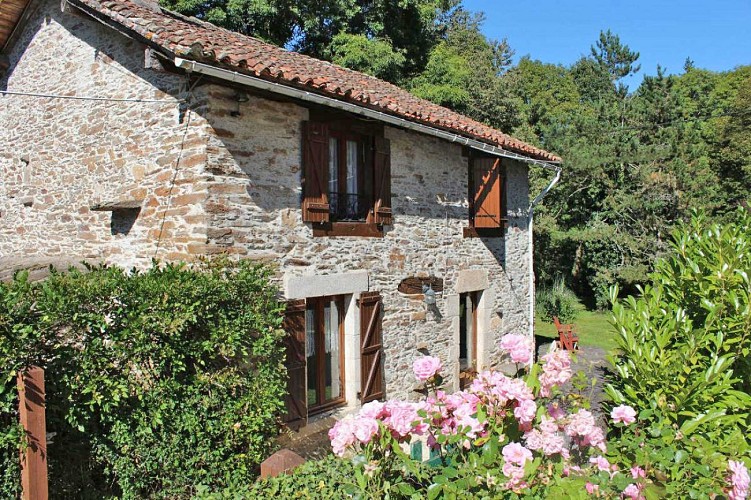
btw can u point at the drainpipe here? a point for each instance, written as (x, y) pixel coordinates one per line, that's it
(530, 222)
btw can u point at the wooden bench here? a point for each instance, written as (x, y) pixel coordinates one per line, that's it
(567, 338)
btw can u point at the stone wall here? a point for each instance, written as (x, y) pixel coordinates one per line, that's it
(211, 180)
(60, 157)
(254, 210)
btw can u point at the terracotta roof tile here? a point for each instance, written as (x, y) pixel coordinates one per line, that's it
(191, 38)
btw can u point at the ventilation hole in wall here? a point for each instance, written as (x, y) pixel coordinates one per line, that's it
(123, 219)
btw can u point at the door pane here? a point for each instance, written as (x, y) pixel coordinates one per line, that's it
(331, 341)
(310, 354)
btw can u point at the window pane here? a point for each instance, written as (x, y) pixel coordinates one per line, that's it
(463, 331)
(467, 330)
(333, 175)
(352, 186)
(470, 318)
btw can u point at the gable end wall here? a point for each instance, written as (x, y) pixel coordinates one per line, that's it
(60, 156)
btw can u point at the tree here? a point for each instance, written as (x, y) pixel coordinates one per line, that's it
(405, 31)
(464, 72)
(615, 57)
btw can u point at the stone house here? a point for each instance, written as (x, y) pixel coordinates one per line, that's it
(129, 132)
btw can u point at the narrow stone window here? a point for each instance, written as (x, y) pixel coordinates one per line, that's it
(468, 337)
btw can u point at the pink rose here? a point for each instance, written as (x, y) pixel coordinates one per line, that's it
(637, 472)
(581, 424)
(525, 412)
(342, 435)
(601, 463)
(739, 480)
(546, 438)
(624, 414)
(401, 417)
(512, 471)
(556, 371)
(632, 491)
(374, 409)
(516, 454)
(519, 348)
(426, 367)
(365, 428)
(592, 488)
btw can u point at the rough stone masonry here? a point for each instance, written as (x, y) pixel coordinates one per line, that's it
(209, 175)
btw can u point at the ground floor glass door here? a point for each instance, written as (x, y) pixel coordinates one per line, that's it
(324, 336)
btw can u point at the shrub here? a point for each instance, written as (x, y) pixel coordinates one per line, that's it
(502, 438)
(558, 300)
(318, 479)
(684, 357)
(156, 380)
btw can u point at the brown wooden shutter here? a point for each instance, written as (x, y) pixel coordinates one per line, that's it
(315, 166)
(296, 398)
(382, 181)
(372, 385)
(487, 205)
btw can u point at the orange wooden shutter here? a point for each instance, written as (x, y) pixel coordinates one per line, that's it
(487, 206)
(371, 347)
(382, 181)
(315, 165)
(296, 399)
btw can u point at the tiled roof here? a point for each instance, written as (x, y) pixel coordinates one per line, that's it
(11, 12)
(190, 38)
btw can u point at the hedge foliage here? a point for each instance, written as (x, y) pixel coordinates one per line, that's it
(685, 356)
(156, 381)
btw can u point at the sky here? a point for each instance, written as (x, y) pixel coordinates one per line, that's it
(715, 34)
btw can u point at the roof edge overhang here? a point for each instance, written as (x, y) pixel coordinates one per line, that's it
(236, 77)
(304, 95)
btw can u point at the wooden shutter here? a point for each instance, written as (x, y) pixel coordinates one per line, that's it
(372, 385)
(382, 181)
(296, 398)
(315, 167)
(487, 205)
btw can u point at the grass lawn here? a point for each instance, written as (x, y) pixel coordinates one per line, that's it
(593, 328)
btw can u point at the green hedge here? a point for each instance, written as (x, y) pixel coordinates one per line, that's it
(156, 381)
(684, 358)
(323, 479)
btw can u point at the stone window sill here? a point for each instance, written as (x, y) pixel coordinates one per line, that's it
(359, 229)
(484, 232)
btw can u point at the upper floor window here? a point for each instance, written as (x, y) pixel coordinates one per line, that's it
(348, 199)
(346, 180)
(487, 203)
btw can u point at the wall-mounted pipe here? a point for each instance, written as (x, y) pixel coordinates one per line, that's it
(530, 223)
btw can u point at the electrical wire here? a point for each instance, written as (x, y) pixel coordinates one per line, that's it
(87, 98)
(189, 116)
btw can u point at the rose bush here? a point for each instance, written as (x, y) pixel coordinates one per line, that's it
(501, 437)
